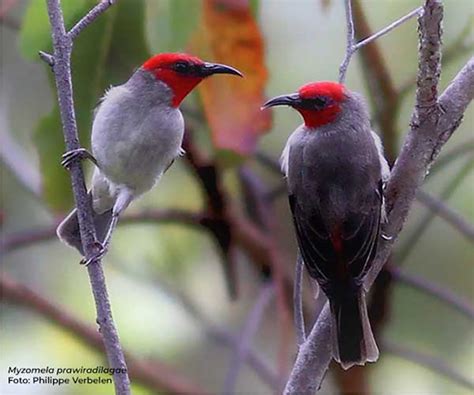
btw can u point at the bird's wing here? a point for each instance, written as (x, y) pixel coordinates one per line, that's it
(343, 252)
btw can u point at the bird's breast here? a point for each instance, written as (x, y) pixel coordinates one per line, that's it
(134, 148)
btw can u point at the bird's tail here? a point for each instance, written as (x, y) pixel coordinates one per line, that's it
(68, 229)
(353, 341)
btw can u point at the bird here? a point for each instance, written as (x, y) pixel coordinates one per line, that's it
(336, 171)
(137, 133)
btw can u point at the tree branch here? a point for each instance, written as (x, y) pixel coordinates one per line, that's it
(352, 46)
(440, 293)
(430, 129)
(438, 207)
(388, 29)
(152, 374)
(91, 16)
(298, 301)
(404, 251)
(62, 44)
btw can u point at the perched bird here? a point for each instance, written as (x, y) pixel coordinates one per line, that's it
(136, 135)
(336, 171)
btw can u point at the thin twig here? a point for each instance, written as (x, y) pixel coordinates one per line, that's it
(248, 332)
(29, 237)
(350, 38)
(427, 361)
(46, 57)
(388, 29)
(451, 216)
(405, 250)
(154, 375)
(62, 44)
(352, 46)
(90, 17)
(440, 293)
(298, 301)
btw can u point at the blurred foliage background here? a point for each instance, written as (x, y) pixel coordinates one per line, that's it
(287, 43)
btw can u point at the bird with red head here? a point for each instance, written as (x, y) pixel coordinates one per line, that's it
(335, 171)
(136, 135)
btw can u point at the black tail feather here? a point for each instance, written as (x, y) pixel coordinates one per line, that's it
(353, 341)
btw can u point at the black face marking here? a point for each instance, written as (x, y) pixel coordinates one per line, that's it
(315, 103)
(185, 68)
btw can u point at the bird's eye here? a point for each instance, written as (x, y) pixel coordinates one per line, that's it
(180, 67)
(320, 102)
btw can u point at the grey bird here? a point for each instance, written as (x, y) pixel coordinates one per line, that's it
(136, 135)
(336, 171)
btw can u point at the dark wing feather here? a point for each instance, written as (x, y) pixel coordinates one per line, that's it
(358, 236)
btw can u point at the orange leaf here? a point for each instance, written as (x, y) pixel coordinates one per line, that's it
(229, 34)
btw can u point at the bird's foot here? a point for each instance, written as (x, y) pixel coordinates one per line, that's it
(100, 251)
(76, 154)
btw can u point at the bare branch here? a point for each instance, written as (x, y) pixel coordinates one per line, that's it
(352, 46)
(91, 16)
(298, 301)
(405, 250)
(430, 129)
(46, 57)
(154, 375)
(62, 44)
(389, 28)
(244, 343)
(435, 290)
(349, 41)
(438, 207)
(427, 361)
(26, 238)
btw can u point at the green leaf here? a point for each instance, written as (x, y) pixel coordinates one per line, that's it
(170, 24)
(35, 32)
(105, 53)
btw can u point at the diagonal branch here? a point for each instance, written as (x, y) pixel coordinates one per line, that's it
(430, 128)
(90, 17)
(352, 46)
(438, 207)
(62, 44)
(440, 293)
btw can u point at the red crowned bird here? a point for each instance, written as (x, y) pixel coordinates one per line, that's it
(335, 171)
(136, 135)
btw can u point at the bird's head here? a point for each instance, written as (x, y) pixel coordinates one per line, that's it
(182, 72)
(317, 102)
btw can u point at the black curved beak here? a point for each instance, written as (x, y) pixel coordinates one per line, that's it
(291, 100)
(208, 69)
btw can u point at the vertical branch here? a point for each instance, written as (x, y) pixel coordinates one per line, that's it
(298, 301)
(350, 48)
(62, 45)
